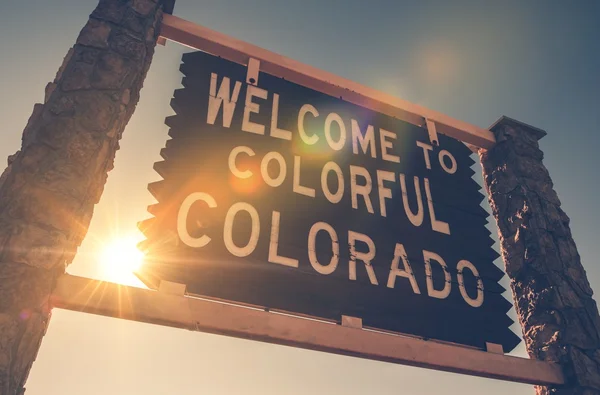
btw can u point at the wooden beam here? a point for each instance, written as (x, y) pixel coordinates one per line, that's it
(113, 300)
(204, 39)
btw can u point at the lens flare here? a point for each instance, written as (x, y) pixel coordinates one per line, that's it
(120, 258)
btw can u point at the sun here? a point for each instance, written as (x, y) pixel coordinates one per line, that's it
(119, 258)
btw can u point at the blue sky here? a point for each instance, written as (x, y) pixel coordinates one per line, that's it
(536, 61)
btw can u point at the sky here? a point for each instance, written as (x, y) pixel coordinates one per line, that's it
(535, 61)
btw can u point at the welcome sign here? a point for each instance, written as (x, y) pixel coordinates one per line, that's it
(279, 196)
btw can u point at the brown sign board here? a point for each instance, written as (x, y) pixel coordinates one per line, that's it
(279, 196)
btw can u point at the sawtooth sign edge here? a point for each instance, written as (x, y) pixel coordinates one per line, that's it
(279, 196)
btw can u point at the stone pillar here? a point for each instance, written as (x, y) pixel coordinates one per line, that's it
(551, 292)
(50, 187)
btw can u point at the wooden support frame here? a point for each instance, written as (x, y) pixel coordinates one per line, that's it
(168, 309)
(204, 39)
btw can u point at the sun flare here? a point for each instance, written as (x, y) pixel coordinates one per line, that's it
(120, 258)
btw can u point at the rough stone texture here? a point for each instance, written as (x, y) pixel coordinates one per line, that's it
(552, 295)
(50, 187)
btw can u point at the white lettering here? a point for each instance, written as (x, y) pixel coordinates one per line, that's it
(228, 230)
(264, 169)
(452, 169)
(464, 264)
(339, 144)
(297, 188)
(363, 190)
(337, 196)
(184, 236)
(335, 248)
(384, 192)
(365, 142)
(307, 108)
(274, 256)
(415, 219)
(275, 131)
(231, 161)
(216, 99)
(386, 145)
(426, 149)
(366, 257)
(251, 107)
(438, 226)
(431, 291)
(395, 271)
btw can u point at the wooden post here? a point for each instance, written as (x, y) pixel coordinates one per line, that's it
(48, 191)
(552, 295)
(169, 307)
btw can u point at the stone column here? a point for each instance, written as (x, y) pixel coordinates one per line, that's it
(551, 292)
(50, 187)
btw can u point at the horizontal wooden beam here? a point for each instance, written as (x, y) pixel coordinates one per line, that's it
(162, 308)
(204, 39)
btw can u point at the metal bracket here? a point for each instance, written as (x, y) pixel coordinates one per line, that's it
(253, 69)
(494, 348)
(171, 288)
(351, 322)
(433, 137)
